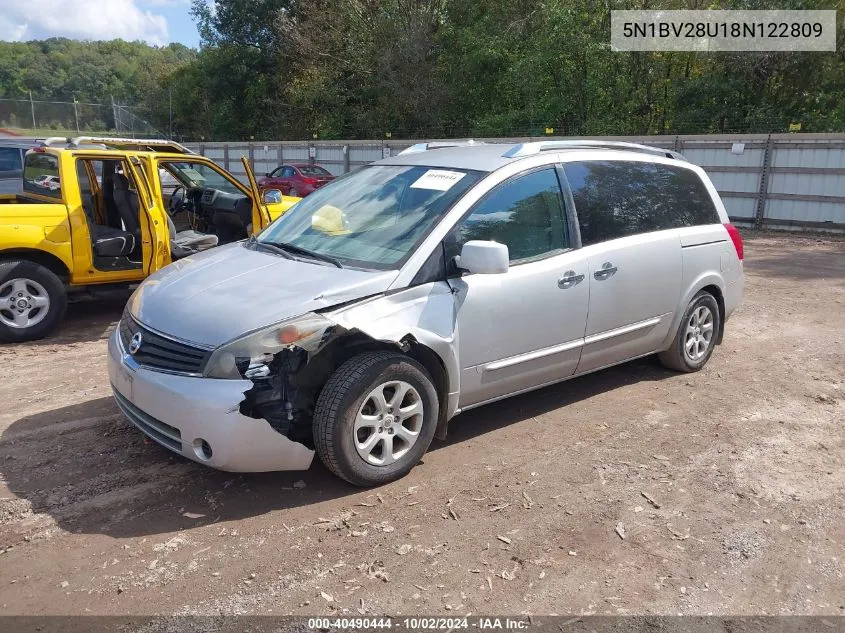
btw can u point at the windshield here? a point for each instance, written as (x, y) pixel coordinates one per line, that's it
(194, 175)
(374, 217)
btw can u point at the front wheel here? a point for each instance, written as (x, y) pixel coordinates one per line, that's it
(696, 337)
(32, 301)
(375, 418)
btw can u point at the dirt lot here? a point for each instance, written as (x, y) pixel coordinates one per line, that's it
(728, 486)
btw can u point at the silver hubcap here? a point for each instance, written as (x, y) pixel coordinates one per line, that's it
(388, 423)
(699, 333)
(23, 303)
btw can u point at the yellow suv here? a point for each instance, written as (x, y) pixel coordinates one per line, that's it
(98, 214)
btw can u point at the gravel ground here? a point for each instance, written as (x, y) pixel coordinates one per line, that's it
(633, 490)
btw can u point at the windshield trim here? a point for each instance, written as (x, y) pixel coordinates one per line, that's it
(358, 264)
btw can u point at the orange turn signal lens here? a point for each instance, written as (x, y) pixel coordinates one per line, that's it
(289, 335)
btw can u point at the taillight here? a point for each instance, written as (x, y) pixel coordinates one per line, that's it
(736, 238)
(309, 181)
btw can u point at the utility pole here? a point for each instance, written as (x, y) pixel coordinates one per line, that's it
(32, 107)
(170, 92)
(76, 112)
(116, 115)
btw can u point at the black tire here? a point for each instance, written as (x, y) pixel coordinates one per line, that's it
(338, 405)
(294, 193)
(55, 289)
(676, 357)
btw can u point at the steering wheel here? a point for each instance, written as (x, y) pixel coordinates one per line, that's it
(177, 201)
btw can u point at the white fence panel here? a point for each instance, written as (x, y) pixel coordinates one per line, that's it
(794, 181)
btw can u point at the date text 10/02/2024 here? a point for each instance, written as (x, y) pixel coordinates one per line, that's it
(419, 623)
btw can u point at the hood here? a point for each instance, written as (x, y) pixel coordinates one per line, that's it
(215, 296)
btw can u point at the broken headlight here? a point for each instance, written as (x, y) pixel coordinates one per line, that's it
(251, 355)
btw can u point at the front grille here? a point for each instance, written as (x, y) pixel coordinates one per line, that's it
(161, 353)
(166, 435)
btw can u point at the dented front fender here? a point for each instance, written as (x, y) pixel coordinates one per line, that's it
(426, 313)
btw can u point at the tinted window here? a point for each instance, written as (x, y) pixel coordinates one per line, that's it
(41, 175)
(525, 213)
(288, 172)
(618, 198)
(313, 170)
(10, 159)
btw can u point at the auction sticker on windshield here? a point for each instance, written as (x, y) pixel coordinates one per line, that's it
(438, 179)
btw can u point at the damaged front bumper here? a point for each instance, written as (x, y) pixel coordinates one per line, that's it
(200, 418)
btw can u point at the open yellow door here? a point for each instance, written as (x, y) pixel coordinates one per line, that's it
(154, 232)
(260, 213)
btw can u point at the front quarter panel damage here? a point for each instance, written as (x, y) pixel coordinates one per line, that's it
(425, 314)
(275, 398)
(284, 392)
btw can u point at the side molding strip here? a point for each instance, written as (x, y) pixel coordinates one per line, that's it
(633, 327)
(540, 353)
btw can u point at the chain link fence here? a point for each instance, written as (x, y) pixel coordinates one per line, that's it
(32, 117)
(38, 117)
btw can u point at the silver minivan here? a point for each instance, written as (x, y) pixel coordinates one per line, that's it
(447, 277)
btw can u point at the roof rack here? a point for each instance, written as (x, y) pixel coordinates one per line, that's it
(424, 147)
(528, 149)
(138, 144)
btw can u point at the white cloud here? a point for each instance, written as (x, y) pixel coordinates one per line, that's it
(80, 19)
(165, 3)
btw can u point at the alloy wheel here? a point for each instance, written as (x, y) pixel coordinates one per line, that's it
(699, 333)
(23, 303)
(388, 423)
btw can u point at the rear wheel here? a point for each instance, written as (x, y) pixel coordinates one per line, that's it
(375, 418)
(32, 301)
(294, 193)
(696, 337)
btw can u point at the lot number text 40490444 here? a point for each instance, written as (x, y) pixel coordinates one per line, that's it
(420, 623)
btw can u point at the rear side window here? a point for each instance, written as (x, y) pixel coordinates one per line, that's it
(614, 199)
(525, 214)
(41, 175)
(10, 160)
(313, 170)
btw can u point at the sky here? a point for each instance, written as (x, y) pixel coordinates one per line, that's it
(157, 22)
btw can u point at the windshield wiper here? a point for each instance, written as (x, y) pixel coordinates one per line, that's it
(292, 248)
(252, 242)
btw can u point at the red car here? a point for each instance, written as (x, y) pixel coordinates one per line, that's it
(296, 180)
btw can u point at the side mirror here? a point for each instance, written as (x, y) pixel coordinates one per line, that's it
(272, 196)
(267, 174)
(483, 258)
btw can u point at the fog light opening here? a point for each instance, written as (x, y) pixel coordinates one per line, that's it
(202, 449)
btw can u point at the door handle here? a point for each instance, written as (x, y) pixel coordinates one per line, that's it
(606, 272)
(569, 279)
